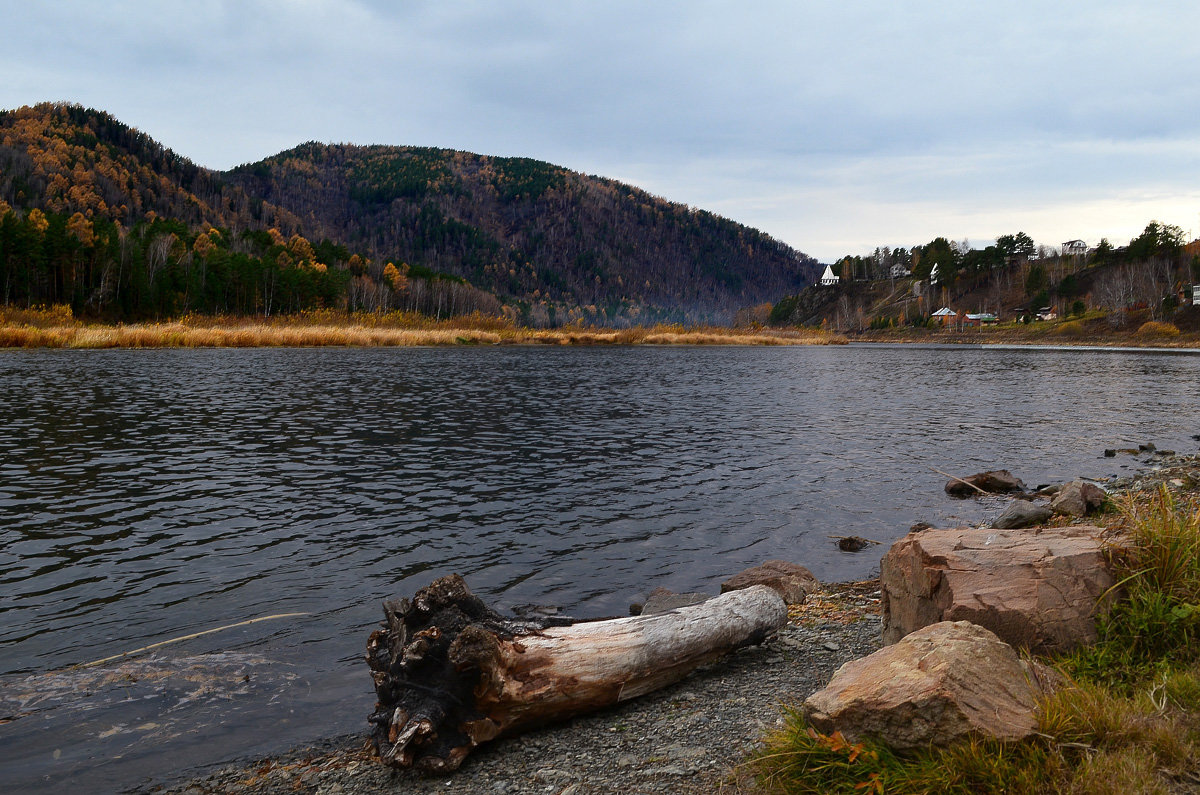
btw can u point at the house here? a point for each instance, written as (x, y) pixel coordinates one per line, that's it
(1047, 313)
(1074, 248)
(933, 274)
(1196, 294)
(980, 319)
(829, 278)
(898, 271)
(945, 316)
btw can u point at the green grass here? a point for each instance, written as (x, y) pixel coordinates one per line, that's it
(1128, 722)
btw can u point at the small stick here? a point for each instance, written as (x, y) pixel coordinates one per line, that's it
(185, 637)
(960, 480)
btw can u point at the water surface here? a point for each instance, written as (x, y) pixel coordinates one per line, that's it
(148, 495)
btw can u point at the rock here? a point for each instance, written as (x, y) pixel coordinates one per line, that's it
(1148, 447)
(998, 481)
(661, 600)
(919, 526)
(1021, 514)
(942, 683)
(1048, 490)
(1078, 498)
(789, 580)
(1110, 453)
(1036, 589)
(854, 543)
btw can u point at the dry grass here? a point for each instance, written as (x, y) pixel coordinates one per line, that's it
(55, 328)
(1153, 329)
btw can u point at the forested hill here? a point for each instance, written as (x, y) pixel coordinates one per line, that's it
(319, 225)
(525, 228)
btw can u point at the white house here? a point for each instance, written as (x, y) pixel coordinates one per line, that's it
(899, 271)
(1196, 294)
(945, 316)
(1074, 248)
(933, 274)
(829, 278)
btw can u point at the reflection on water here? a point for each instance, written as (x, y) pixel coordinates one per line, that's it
(152, 494)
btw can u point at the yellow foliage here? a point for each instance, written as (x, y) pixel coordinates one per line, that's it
(203, 245)
(300, 248)
(39, 220)
(81, 229)
(396, 277)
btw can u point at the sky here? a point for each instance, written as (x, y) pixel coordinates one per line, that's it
(833, 126)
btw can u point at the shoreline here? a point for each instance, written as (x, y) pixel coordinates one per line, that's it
(57, 328)
(688, 738)
(685, 738)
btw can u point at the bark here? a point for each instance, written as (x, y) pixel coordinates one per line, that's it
(451, 674)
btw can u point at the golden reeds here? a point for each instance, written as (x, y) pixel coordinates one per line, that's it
(55, 329)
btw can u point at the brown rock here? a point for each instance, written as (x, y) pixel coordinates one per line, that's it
(997, 481)
(1078, 498)
(937, 685)
(789, 580)
(1036, 589)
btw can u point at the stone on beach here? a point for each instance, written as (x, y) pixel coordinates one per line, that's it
(935, 686)
(1078, 498)
(1021, 514)
(997, 481)
(790, 580)
(1036, 589)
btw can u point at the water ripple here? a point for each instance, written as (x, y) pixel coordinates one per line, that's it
(149, 494)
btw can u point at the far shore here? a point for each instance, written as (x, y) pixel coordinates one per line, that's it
(57, 328)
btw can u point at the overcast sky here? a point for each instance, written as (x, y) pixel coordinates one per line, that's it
(835, 126)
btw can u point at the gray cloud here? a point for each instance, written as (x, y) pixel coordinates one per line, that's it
(833, 126)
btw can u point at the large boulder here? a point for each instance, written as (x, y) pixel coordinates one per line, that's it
(1037, 589)
(1078, 498)
(1021, 514)
(997, 481)
(937, 685)
(791, 581)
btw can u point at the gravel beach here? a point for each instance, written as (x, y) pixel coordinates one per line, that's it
(687, 738)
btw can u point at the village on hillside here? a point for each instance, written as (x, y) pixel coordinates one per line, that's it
(944, 284)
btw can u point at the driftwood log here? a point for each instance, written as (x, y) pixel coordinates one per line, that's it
(451, 674)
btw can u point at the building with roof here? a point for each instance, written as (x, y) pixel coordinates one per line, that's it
(945, 316)
(829, 278)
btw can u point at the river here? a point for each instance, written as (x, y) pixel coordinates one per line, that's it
(149, 495)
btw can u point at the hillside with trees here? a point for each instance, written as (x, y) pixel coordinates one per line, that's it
(1106, 287)
(551, 238)
(98, 215)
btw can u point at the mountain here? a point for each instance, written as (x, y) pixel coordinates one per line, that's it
(527, 229)
(324, 222)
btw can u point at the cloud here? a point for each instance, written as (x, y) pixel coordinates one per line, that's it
(830, 125)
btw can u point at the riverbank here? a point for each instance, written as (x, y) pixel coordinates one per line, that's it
(689, 738)
(56, 328)
(1132, 330)
(683, 739)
